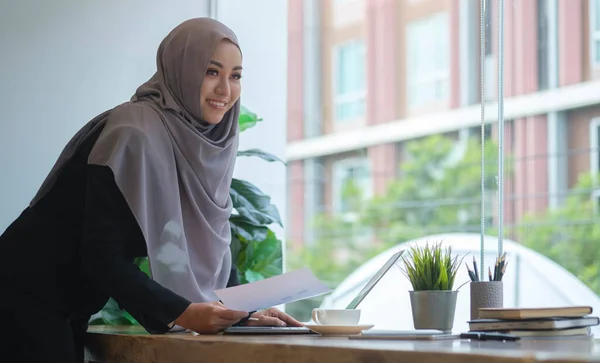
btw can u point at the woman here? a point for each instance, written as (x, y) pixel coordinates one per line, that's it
(149, 177)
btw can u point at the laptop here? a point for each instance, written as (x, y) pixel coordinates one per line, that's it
(260, 330)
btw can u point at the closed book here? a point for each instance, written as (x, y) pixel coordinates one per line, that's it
(529, 313)
(550, 333)
(533, 324)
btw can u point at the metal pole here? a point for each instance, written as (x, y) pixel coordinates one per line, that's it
(500, 181)
(482, 89)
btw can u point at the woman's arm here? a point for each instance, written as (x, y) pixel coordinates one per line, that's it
(109, 226)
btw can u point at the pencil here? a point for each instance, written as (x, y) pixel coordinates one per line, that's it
(475, 269)
(503, 270)
(502, 264)
(496, 271)
(490, 272)
(471, 275)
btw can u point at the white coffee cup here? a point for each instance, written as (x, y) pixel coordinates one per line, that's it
(336, 316)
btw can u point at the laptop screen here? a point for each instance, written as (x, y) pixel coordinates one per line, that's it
(374, 280)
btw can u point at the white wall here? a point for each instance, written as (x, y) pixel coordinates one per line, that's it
(261, 27)
(65, 61)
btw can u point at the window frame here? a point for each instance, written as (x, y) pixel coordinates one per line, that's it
(336, 184)
(594, 148)
(356, 96)
(594, 34)
(427, 79)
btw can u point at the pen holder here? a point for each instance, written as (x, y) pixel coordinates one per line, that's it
(485, 294)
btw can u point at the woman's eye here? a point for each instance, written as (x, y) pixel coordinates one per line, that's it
(237, 76)
(212, 72)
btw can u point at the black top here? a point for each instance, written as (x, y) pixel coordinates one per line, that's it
(75, 249)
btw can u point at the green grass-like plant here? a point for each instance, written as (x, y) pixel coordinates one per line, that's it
(431, 267)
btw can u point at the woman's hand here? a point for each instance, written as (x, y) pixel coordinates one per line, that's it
(272, 317)
(209, 318)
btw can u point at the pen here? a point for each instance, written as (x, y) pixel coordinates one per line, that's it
(489, 336)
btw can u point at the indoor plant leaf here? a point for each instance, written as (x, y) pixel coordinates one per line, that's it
(266, 252)
(236, 248)
(142, 264)
(252, 276)
(240, 226)
(111, 314)
(273, 269)
(247, 119)
(251, 203)
(261, 154)
(431, 267)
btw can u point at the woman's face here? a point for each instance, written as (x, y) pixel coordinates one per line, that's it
(221, 86)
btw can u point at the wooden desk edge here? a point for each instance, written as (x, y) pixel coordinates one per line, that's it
(133, 348)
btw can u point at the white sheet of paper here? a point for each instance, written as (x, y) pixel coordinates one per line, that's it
(281, 289)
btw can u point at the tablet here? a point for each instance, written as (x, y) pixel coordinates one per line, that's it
(271, 330)
(404, 335)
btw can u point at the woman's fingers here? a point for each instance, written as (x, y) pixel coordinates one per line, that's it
(231, 315)
(266, 321)
(288, 319)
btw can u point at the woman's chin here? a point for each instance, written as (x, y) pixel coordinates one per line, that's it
(213, 119)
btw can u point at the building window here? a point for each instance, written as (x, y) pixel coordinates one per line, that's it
(595, 32)
(351, 184)
(595, 146)
(349, 81)
(489, 65)
(596, 201)
(595, 160)
(542, 44)
(428, 67)
(488, 28)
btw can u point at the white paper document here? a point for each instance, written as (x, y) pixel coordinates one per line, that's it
(285, 288)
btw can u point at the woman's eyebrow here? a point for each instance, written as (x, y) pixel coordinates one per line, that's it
(220, 65)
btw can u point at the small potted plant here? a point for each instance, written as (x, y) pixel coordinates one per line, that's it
(431, 269)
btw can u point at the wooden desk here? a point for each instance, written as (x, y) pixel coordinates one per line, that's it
(134, 345)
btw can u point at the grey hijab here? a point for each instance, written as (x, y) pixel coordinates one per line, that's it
(173, 169)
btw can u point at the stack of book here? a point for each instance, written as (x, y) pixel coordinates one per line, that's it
(564, 322)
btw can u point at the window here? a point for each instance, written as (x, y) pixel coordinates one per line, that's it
(489, 22)
(596, 199)
(351, 184)
(595, 159)
(542, 44)
(349, 81)
(595, 32)
(489, 63)
(428, 66)
(595, 146)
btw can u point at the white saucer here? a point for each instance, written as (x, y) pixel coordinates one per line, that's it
(339, 330)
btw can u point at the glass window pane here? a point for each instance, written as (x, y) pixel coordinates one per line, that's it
(428, 52)
(597, 146)
(350, 81)
(426, 176)
(596, 14)
(350, 68)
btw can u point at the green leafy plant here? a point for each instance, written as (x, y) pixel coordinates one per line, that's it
(256, 250)
(431, 267)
